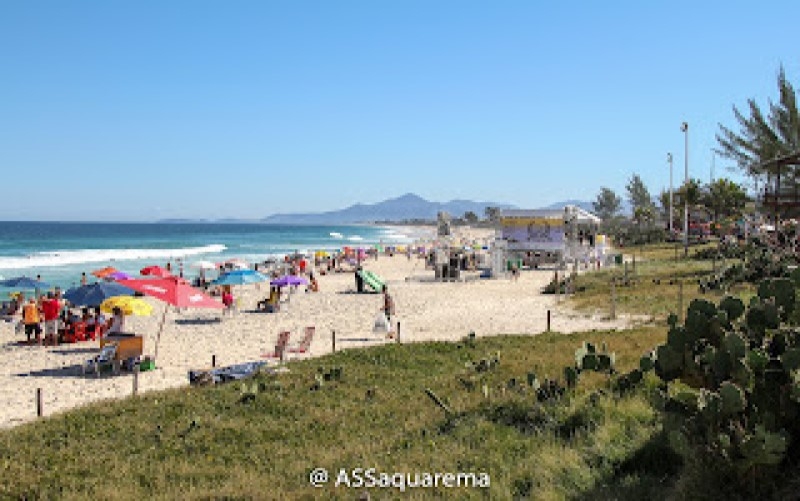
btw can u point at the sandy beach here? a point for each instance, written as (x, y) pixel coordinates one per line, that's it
(426, 310)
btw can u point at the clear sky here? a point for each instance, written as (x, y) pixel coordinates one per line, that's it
(158, 109)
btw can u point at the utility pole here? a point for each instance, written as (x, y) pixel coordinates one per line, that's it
(669, 159)
(685, 129)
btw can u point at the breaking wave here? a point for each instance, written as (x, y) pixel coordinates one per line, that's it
(72, 257)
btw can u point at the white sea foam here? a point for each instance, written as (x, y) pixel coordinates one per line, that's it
(335, 234)
(72, 257)
(355, 238)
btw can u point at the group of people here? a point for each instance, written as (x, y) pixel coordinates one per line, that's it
(56, 318)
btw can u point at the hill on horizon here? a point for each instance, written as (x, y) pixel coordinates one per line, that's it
(403, 208)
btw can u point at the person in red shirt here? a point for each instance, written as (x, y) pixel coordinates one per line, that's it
(50, 309)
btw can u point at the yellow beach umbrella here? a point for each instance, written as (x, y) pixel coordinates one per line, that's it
(322, 253)
(129, 305)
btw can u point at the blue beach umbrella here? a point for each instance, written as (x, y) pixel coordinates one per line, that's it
(94, 294)
(240, 277)
(24, 283)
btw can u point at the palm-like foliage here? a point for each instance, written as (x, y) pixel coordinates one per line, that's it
(763, 136)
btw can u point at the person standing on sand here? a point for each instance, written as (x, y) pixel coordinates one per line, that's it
(51, 309)
(388, 305)
(31, 319)
(83, 278)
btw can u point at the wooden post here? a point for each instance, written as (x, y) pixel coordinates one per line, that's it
(548, 320)
(613, 299)
(135, 379)
(39, 409)
(213, 361)
(398, 332)
(333, 341)
(634, 264)
(626, 267)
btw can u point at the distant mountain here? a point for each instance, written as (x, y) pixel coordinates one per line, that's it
(403, 208)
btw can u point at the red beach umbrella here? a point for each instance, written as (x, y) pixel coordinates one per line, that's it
(155, 271)
(172, 290)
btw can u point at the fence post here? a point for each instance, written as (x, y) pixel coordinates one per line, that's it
(135, 379)
(213, 361)
(548, 320)
(39, 410)
(333, 341)
(613, 299)
(398, 332)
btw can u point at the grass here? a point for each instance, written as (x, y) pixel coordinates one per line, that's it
(654, 289)
(207, 442)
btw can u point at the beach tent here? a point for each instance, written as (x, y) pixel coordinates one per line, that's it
(375, 282)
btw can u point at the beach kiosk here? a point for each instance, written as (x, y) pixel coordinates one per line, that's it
(537, 236)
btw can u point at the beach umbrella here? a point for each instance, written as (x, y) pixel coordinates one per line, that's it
(287, 280)
(240, 277)
(128, 304)
(155, 271)
(205, 265)
(95, 294)
(24, 283)
(102, 272)
(117, 275)
(175, 291)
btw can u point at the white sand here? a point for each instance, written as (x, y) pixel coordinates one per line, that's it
(426, 311)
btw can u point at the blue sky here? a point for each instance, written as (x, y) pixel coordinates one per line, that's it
(150, 109)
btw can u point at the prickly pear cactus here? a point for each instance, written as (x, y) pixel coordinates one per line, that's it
(732, 377)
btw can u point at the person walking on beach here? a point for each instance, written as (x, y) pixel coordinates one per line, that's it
(388, 304)
(227, 299)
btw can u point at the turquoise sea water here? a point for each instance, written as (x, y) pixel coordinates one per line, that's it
(59, 252)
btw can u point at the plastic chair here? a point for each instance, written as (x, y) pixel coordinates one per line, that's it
(280, 346)
(305, 343)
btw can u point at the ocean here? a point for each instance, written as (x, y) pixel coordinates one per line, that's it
(60, 252)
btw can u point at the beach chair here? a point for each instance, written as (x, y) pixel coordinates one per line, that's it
(305, 343)
(105, 360)
(280, 347)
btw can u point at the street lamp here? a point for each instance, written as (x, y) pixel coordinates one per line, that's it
(685, 130)
(669, 159)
